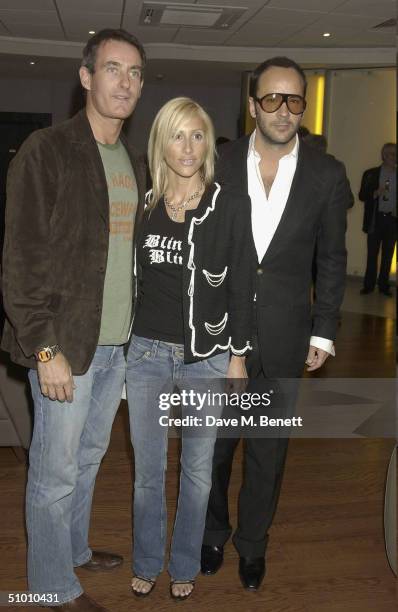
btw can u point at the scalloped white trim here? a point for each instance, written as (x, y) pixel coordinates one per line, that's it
(238, 352)
(215, 280)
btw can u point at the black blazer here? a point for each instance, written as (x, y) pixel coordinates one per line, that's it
(315, 215)
(369, 184)
(218, 285)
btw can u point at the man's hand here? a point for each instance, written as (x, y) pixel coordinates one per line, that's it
(316, 358)
(237, 374)
(55, 378)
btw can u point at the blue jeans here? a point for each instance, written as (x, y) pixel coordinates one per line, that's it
(69, 441)
(155, 367)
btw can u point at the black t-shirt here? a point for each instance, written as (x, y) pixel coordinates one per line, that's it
(159, 252)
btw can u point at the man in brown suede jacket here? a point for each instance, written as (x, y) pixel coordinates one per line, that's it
(74, 198)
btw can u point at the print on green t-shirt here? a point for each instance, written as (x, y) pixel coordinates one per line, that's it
(123, 197)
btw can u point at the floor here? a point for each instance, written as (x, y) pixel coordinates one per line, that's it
(374, 303)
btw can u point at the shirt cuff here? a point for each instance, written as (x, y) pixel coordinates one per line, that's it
(324, 344)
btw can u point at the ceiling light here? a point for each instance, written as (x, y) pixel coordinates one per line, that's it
(32, 63)
(326, 34)
(91, 31)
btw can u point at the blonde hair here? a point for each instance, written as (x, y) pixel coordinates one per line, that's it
(166, 124)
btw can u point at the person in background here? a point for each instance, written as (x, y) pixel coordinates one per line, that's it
(220, 141)
(320, 143)
(303, 131)
(317, 141)
(68, 297)
(193, 321)
(378, 192)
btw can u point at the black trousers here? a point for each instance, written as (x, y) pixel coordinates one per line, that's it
(263, 465)
(384, 235)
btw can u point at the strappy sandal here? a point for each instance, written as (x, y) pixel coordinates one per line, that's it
(146, 593)
(181, 597)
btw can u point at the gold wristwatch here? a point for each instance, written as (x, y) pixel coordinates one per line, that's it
(47, 353)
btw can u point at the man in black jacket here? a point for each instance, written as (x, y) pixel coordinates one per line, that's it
(378, 192)
(299, 200)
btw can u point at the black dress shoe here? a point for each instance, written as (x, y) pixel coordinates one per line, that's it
(251, 572)
(366, 291)
(387, 292)
(211, 560)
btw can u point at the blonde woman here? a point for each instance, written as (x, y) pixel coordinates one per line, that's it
(193, 320)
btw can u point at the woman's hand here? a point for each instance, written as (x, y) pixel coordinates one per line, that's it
(237, 375)
(237, 367)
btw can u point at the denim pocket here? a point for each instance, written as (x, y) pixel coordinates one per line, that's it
(218, 364)
(140, 350)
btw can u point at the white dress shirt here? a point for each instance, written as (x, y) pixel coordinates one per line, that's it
(267, 210)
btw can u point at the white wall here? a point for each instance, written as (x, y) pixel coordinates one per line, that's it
(360, 118)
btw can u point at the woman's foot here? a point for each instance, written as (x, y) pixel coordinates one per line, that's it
(142, 587)
(181, 589)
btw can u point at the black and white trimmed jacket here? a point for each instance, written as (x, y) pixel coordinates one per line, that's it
(218, 286)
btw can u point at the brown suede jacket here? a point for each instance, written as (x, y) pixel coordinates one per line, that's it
(56, 243)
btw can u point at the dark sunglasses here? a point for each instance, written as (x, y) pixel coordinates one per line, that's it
(272, 101)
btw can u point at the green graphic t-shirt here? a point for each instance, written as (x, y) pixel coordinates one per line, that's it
(123, 198)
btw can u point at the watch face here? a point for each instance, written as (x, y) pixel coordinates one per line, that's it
(44, 356)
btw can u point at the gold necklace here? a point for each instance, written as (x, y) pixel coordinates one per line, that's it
(174, 210)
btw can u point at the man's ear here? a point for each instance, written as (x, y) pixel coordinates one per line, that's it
(252, 108)
(85, 77)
